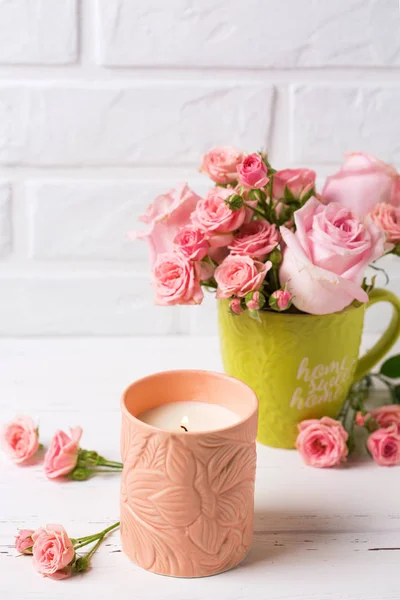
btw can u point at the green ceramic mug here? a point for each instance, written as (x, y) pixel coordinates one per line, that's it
(300, 366)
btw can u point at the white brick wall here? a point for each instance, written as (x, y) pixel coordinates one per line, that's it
(105, 103)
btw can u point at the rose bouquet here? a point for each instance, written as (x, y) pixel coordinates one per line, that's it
(267, 241)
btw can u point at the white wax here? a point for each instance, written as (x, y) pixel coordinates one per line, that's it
(195, 416)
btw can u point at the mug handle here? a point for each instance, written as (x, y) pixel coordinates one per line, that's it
(389, 336)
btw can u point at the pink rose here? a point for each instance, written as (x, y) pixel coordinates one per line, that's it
(62, 454)
(385, 416)
(325, 259)
(216, 219)
(256, 239)
(23, 541)
(384, 446)
(192, 243)
(165, 217)
(176, 280)
(53, 552)
(255, 302)
(238, 275)
(253, 172)
(387, 218)
(20, 439)
(298, 181)
(235, 306)
(221, 164)
(280, 300)
(363, 182)
(322, 442)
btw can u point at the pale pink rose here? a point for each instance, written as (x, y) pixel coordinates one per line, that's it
(235, 306)
(176, 280)
(322, 442)
(324, 261)
(363, 182)
(298, 181)
(169, 213)
(385, 416)
(281, 299)
(23, 541)
(191, 242)
(62, 454)
(53, 552)
(254, 303)
(387, 218)
(384, 446)
(216, 219)
(238, 275)
(256, 239)
(20, 439)
(253, 172)
(221, 164)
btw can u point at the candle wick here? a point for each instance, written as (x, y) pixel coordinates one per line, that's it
(183, 427)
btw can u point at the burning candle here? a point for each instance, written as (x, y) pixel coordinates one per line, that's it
(192, 416)
(187, 489)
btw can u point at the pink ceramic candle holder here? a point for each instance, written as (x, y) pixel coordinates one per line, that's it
(187, 498)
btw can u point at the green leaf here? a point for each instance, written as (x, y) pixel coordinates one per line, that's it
(307, 196)
(257, 195)
(391, 367)
(254, 314)
(234, 202)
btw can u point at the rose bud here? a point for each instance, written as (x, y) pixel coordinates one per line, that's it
(280, 300)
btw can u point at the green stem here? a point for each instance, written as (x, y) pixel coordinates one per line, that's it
(93, 550)
(275, 277)
(91, 538)
(105, 470)
(109, 463)
(256, 210)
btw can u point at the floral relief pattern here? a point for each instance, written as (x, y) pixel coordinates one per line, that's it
(187, 503)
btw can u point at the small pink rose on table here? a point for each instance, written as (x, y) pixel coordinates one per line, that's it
(253, 172)
(384, 446)
(387, 218)
(324, 261)
(23, 541)
(363, 182)
(213, 217)
(384, 416)
(176, 280)
(238, 275)
(20, 439)
(221, 163)
(65, 457)
(62, 455)
(322, 442)
(169, 213)
(256, 239)
(297, 182)
(54, 552)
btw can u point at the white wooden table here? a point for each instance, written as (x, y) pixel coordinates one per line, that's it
(319, 534)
